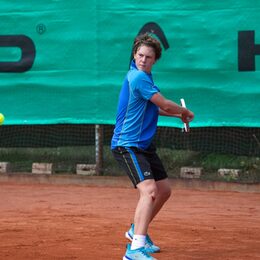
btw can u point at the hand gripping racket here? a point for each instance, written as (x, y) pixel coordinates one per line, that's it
(185, 125)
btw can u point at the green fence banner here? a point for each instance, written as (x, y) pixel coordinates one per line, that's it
(65, 61)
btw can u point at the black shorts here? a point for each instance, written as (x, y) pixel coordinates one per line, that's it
(140, 164)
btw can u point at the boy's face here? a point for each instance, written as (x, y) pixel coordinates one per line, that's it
(145, 58)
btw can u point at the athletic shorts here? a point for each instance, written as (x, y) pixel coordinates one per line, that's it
(140, 164)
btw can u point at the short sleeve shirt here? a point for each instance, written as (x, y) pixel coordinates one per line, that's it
(137, 116)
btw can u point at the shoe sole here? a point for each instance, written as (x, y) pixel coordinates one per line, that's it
(126, 258)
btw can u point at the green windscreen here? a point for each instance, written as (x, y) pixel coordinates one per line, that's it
(63, 62)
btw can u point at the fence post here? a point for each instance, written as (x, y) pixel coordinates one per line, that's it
(99, 136)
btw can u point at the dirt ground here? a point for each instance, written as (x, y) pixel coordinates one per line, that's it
(40, 221)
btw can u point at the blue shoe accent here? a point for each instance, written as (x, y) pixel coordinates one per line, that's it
(137, 254)
(150, 247)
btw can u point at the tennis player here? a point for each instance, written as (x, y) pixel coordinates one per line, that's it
(140, 104)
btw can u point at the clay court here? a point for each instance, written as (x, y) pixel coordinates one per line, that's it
(51, 221)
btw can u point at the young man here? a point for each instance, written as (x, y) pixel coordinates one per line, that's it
(140, 103)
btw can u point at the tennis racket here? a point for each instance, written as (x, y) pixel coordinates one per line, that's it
(186, 126)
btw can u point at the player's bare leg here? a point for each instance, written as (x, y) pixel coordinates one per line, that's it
(145, 207)
(143, 214)
(163, 194)
(153, 195)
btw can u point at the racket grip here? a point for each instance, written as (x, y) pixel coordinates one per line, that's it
(186, 125)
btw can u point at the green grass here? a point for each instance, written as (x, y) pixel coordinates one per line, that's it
(66, 158)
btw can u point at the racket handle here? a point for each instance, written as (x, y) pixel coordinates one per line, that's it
(186, 125)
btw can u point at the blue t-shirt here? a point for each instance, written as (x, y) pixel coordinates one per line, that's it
(137, 116)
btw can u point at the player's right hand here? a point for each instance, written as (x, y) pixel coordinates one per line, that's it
(187, 116)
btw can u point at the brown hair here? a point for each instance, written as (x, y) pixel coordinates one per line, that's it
(149, 41)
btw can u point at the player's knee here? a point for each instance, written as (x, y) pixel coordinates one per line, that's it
(150, 192)
(153, 194)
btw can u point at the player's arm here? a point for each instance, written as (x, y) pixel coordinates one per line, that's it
(170, 108)
(164, 113)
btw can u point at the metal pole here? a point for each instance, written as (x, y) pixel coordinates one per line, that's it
(99, 148)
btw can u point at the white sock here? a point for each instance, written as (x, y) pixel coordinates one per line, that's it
(138, 241)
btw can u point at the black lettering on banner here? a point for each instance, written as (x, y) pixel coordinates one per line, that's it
(247, 50)
(28, 53)
(155, 29)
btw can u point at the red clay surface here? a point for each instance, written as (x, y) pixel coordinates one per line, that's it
(40, 221)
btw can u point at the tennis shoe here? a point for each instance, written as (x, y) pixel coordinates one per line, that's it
(150, 247)
(137, 254)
